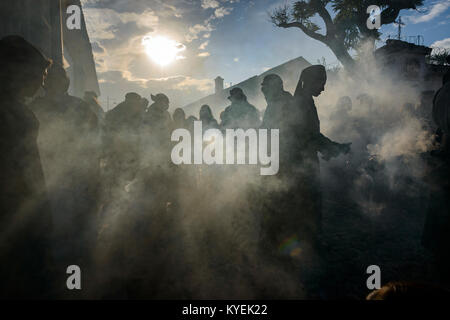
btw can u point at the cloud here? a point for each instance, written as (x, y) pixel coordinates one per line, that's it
(198, 29)
(206, 4)
(117, 27)
(222, 12)
(180, 89)
(203, 45)
(444, 43)
(147, 19)
(434, 12)
(104, 23)
(202, 85)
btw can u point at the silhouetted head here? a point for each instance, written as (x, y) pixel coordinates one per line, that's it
(313, 80)
(179, 116)
(190, 122)
(161, 100)
(205, 113)
(132, 97)
(236, 95)
(22, 67)
(272, 86)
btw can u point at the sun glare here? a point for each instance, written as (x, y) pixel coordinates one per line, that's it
(161, 50)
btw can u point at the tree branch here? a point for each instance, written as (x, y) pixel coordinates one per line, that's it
(325, 15)
(309, 33)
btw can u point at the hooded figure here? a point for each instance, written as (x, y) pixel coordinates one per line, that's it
(307, 142)
(156, 132)
(279, 210)
(69, 142)
(311, 84)
(278, 115)
(25, 217)
(179, 119)
(279, 103)
(240, 114)
(207, 118)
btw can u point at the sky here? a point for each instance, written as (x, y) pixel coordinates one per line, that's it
(233, 39)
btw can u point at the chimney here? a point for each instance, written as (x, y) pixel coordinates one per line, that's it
(219, 85)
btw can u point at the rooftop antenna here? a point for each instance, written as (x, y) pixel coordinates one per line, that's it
(400, 24)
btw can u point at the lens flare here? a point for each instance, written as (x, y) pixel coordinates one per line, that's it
(162, 50)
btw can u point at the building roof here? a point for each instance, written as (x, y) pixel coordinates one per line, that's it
(400, 47)
(288, 71)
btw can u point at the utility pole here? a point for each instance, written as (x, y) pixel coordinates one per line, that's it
(400, 24)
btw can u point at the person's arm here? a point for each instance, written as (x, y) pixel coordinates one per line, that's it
(330, 149)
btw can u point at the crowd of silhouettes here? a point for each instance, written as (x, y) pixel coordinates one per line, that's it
(81, 186)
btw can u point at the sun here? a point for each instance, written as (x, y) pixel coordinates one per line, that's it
(162, 50)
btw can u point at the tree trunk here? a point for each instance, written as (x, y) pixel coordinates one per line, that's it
(342, 54)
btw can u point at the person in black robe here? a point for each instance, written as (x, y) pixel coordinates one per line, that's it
(307, 142)
(70, 147)
(25, 217)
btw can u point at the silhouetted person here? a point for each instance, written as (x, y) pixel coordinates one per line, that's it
(279, 103)
(190, 123)
(240, 114)
(70, 149)
(25, 216)
(436, 233)
(157, 131)
(312, 83)
(179, 119)
(157, 115)
(127, 116)
(308, 142)
(122, 142)
(207, 118)
(279, 213)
